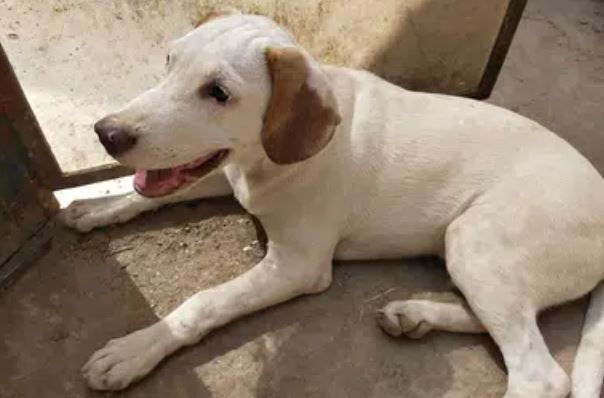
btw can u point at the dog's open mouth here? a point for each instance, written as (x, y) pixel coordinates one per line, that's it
(161, 182)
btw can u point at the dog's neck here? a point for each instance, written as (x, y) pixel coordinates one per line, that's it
(256, 180)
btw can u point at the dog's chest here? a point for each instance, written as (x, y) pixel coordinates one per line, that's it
(240, 186)
(244, 192)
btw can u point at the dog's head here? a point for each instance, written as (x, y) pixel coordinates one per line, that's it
(237, 86)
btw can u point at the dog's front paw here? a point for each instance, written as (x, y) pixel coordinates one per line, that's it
(84, 215)
(404, 317)
(80, 215)
(127, 359)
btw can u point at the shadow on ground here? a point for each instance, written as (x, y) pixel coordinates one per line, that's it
(414, 56)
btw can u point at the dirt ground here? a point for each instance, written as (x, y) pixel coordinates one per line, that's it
(90, 288)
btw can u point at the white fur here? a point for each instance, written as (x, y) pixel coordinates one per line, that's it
(516, 212)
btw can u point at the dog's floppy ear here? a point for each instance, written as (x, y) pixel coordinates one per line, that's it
(302, 113)
(216, 14)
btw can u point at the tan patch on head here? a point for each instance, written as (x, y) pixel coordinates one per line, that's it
(215, 14)
(302, 113)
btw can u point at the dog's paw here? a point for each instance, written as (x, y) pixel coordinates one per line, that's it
(404, 317)
(84, 215)
(127, 359)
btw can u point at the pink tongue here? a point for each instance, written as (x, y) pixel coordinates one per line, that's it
(153, 183)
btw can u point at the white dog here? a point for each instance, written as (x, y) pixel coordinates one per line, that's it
(337, 163)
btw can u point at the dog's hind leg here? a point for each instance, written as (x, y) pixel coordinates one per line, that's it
(501, 283)
(84, 215)
(415, 318)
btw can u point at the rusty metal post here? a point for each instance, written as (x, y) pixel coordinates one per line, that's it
(14, 107)
(44, 166)
(25, 206)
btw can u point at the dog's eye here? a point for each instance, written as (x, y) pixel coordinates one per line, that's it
(218, 93)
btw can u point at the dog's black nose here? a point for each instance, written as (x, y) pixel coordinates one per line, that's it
(116, 137)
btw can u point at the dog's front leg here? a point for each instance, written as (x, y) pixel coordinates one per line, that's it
(283, 274)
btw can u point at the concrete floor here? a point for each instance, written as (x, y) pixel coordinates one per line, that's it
(94, 287)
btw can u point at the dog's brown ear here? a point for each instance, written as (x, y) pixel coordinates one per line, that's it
(302, 113)
(216, 14)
